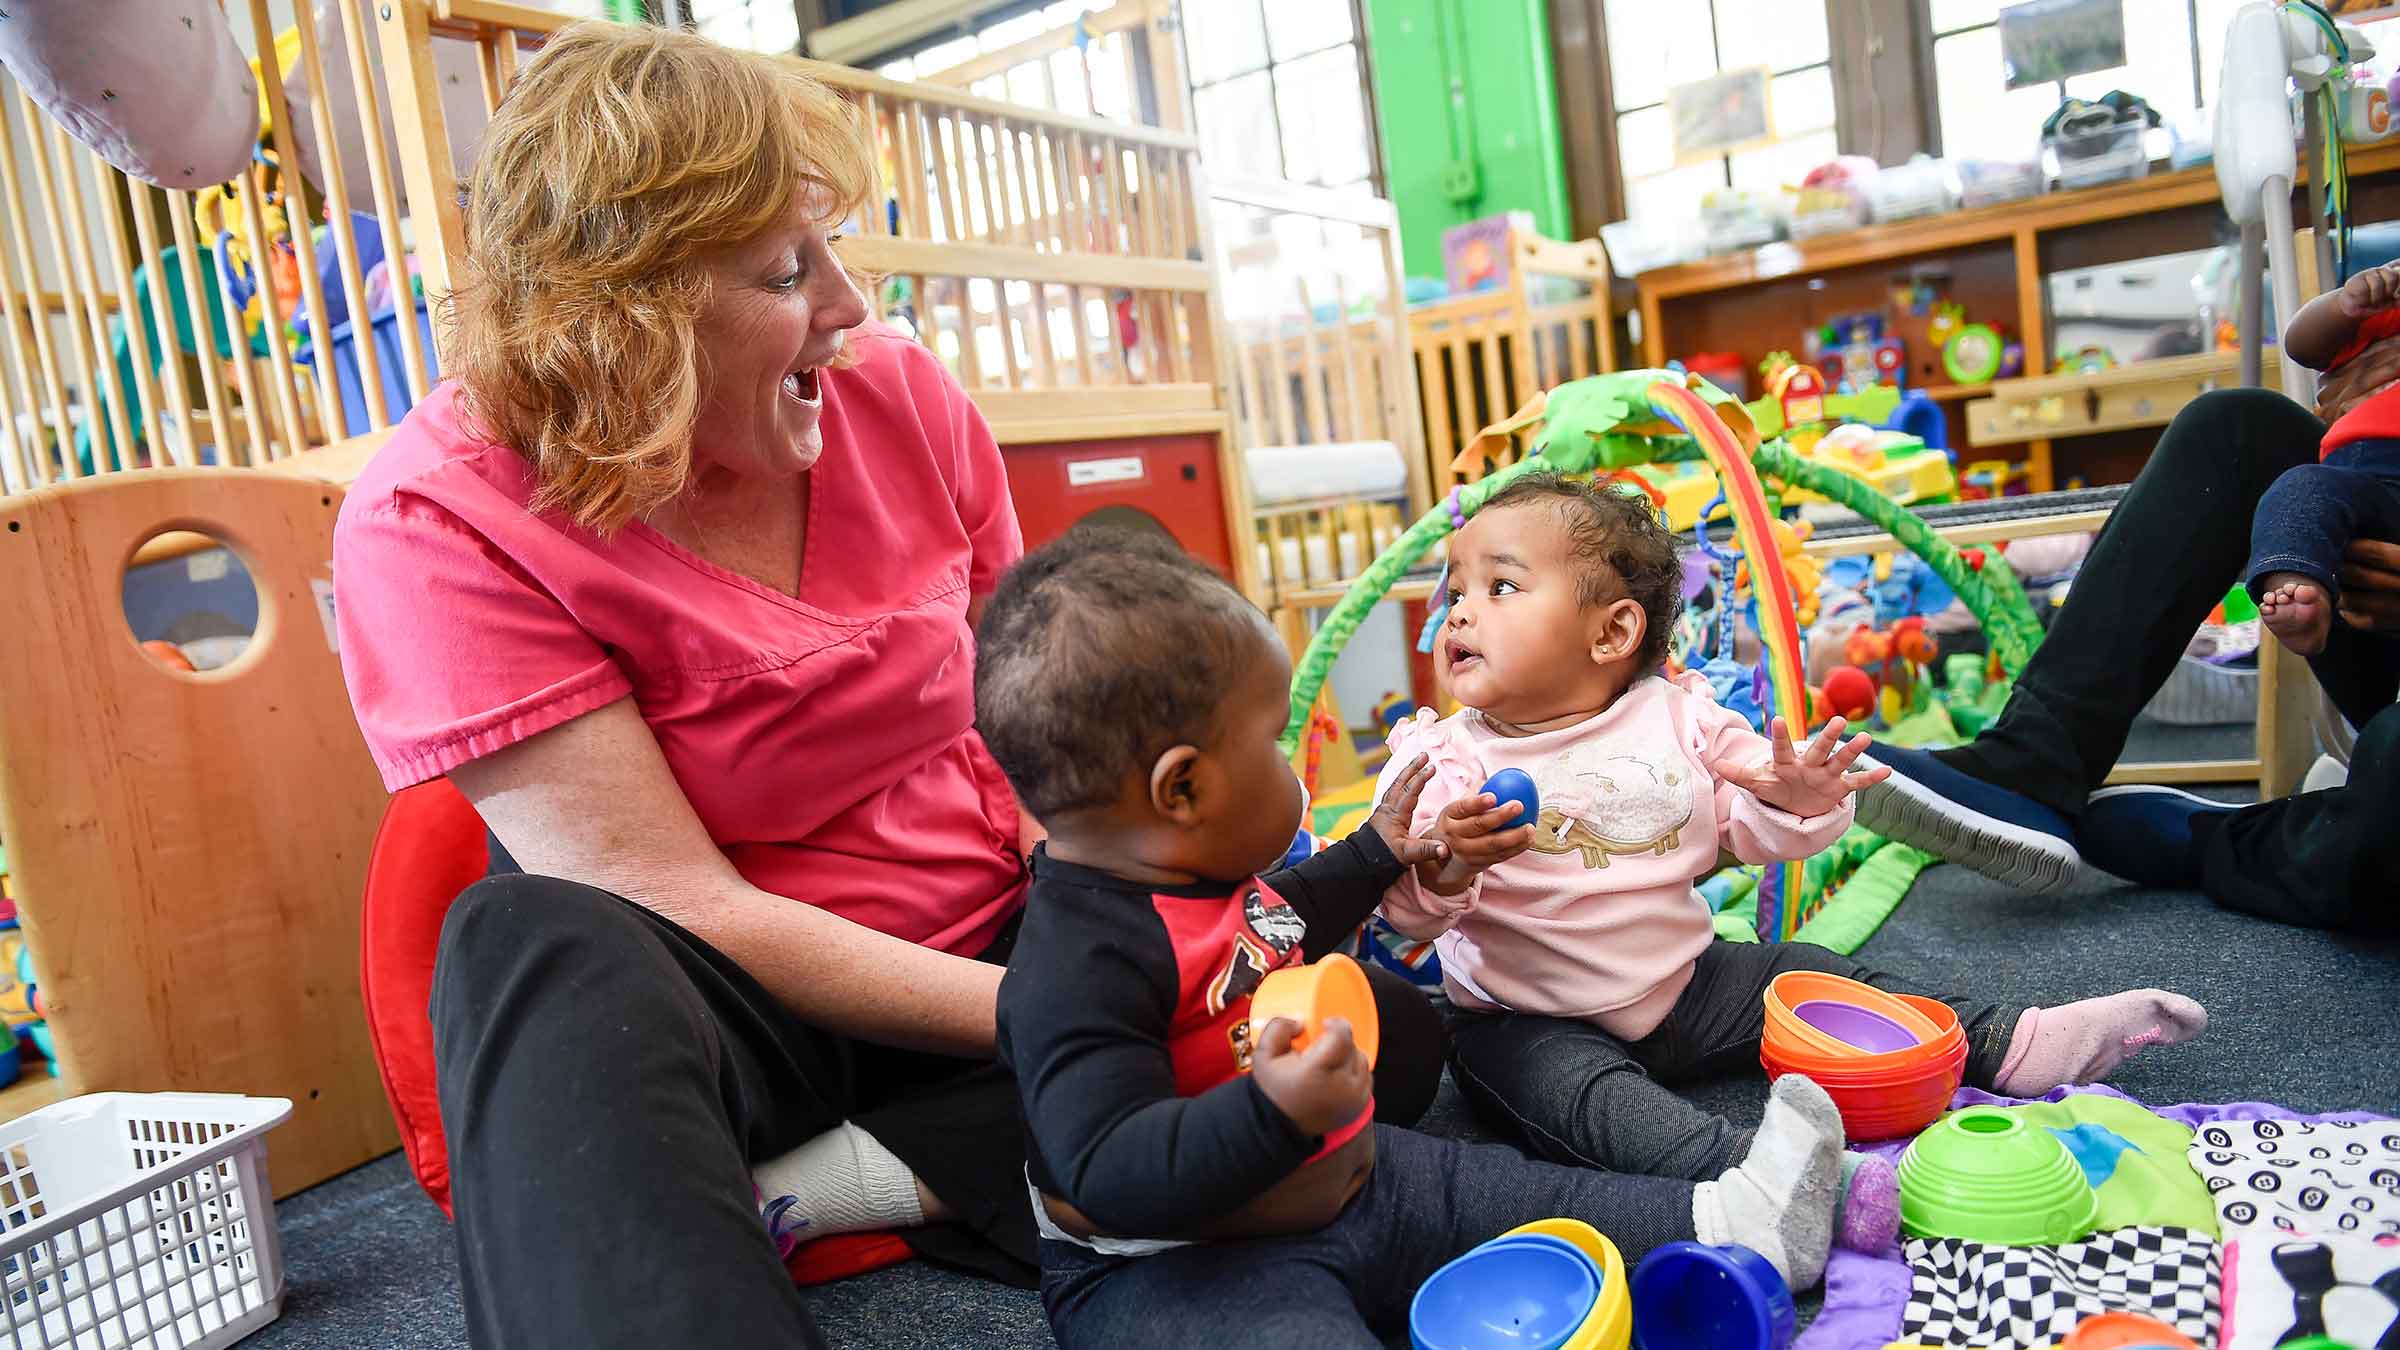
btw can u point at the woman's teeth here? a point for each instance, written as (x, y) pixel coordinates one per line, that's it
(801, 386)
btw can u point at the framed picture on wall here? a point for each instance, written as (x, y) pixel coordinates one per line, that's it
(2045, 41)
(1726, 112)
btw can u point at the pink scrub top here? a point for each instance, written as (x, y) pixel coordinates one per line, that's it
(827, 743)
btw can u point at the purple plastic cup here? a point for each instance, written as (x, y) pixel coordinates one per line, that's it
(1863, 1028)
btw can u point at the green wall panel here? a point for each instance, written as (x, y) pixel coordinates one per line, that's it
(1469, 113)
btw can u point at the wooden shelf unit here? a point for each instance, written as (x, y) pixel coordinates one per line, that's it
(1762, 299)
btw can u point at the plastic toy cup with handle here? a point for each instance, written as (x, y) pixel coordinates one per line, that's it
(1333, 987)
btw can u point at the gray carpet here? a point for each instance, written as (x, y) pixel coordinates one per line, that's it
(2298, 1017)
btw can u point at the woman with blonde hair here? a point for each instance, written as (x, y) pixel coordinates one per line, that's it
(676, 581)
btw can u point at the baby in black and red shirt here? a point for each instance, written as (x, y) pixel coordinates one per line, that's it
(1198, 1181)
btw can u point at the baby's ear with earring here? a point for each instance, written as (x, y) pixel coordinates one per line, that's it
(1619, 632)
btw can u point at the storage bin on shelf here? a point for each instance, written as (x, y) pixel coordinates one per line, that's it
(2089, 150)
(140, 1219)
(1989, 182)
(1645, 245)
(1921, 187)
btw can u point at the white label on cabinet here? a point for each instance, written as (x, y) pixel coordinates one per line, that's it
(1091, 472)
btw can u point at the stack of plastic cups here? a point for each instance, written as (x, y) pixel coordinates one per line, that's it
(1889, 1061)
(1558, 1284)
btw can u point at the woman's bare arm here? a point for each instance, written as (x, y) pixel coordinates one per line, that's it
(592, 800)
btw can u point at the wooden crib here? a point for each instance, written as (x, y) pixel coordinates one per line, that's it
(1479, 357)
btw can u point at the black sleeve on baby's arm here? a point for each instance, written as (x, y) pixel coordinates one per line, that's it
(1085, 1032)
(1337, 888)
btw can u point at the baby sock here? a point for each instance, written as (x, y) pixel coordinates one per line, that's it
(1867, 1216)
(2085, 1042)
(1779, 1201)
(842, 1181)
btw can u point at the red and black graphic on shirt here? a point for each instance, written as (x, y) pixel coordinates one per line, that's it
(1223, 948)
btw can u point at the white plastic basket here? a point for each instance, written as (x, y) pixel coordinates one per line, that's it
(140, 1220)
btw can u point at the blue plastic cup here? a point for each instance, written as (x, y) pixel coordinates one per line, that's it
(1689, 1294)
(1524, 1293)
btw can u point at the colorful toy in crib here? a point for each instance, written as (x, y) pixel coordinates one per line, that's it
(1984, 1175)
(1802, 567)
(1556, 1283)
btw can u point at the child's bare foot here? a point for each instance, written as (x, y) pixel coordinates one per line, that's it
(2293, 608)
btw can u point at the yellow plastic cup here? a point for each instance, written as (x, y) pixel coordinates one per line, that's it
(1609, 1325)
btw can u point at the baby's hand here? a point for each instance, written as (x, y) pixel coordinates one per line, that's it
(1471, 838)
(1398, 808)
(2371, 291)
(1321, 1088)
(1805, 784)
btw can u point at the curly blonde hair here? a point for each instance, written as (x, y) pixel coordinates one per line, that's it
(622, 160)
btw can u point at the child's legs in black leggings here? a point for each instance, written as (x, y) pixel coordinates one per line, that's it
(1349, 1283)
(1576, 1094)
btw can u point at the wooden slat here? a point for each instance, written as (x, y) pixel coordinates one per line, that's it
(279, 357)
(416, 97)
(1014, 405)
(303, 236)
(896, 256)
(221, 420)
(105, 413)
(1127, 133)
(425, 161)
(371, 373)
(25, 391)
(1105, 427)
(137, 355)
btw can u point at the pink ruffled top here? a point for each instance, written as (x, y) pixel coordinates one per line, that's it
(1599, 919)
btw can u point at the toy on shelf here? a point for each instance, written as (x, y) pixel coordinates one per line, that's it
(1309, 995)
(1988, 478)
(1984, 1175)
(1975, 354)
(2089, 359)
(1855, 354)
(1725, 1298)
(1889, 1061)
(1554, 1282)
(1726, 370)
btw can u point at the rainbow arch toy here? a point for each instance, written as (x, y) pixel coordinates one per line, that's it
(1604, 423)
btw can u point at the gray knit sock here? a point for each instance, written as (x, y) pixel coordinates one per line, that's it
(842, 1181)
(1779, 1201)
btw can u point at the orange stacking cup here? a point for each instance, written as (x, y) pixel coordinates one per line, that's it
(1880, 1096)
(1333, 987)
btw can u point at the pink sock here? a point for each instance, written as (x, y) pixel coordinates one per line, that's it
(2085, 1042)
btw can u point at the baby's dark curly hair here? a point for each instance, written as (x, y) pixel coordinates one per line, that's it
(1623, 547)
(1098, 653)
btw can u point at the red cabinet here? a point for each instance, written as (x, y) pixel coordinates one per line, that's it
(1166, 483)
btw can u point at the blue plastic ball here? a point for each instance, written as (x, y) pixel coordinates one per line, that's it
(1516, 785)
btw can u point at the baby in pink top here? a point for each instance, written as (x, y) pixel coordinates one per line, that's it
(1582, 965)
